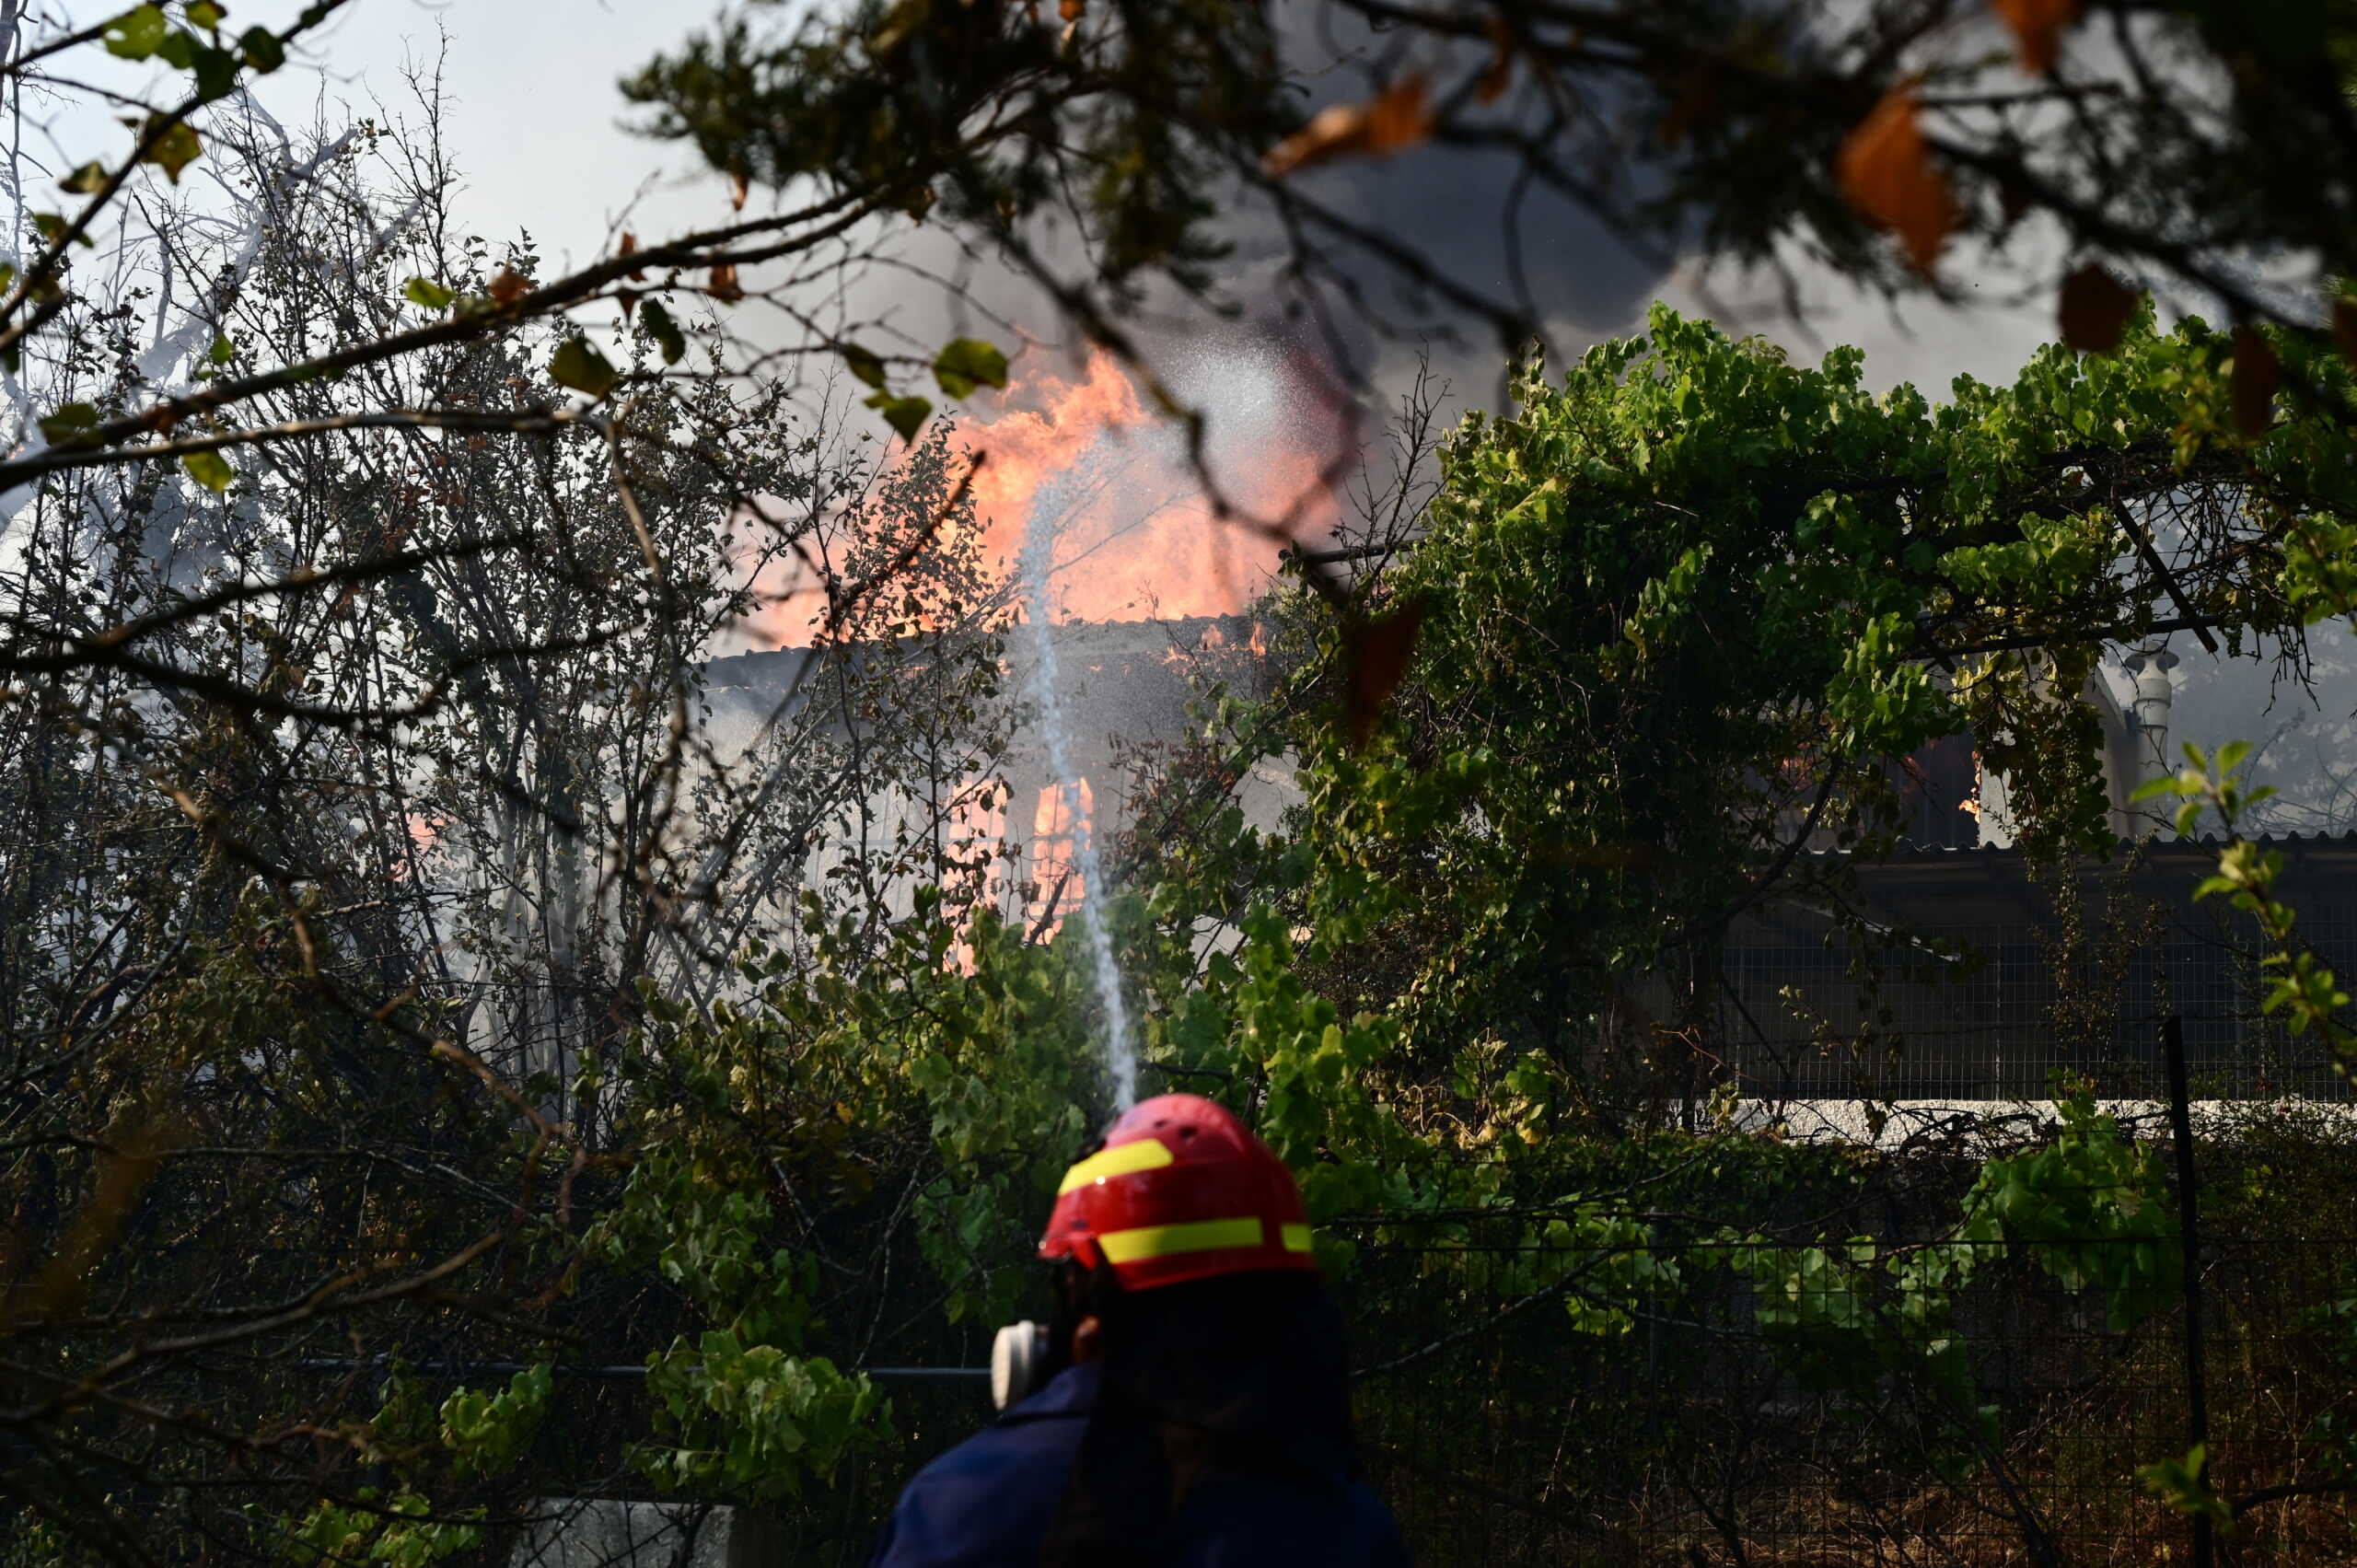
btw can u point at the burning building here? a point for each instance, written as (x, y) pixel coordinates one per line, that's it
(1126, 687)
(1122, 586)
(1952, 975)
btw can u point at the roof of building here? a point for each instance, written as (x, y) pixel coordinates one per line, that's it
(1990, 885)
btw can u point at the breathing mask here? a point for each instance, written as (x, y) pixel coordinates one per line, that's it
(1018, 1363)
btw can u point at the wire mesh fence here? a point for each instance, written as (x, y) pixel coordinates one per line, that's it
(1771, 1386)
(1704, 1432)
(1991, 1012)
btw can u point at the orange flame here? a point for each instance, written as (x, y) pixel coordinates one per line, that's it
(1141, 541)
(1062, 818)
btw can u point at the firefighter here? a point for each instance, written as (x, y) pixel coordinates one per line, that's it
(1187, 1403)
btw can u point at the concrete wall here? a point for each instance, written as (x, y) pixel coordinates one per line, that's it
(600, 1532)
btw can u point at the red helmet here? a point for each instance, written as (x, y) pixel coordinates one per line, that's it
(1180, 1190)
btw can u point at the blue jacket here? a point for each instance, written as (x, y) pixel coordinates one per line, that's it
(988, 1501)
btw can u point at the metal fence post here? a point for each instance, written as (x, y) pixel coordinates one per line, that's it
(2196, 1404)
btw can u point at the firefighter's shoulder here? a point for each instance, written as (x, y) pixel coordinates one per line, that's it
(988, 1500)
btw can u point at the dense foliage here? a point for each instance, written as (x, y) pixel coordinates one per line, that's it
(352, 801)
(1672, 619)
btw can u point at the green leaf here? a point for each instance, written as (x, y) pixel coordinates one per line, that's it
(2184, 1485)
(178, 49)
(40, 289)
(965, 363)
(210, 470)
(664, 331)
(426, 292)
(74, 424)
(906, 415)
(206, 13)
(138, 33)
(53, 228)
(215, 68)
(86, 180)
(174, 150)
(864, 364)
(223, 351)
(579, 365)
(261, 48)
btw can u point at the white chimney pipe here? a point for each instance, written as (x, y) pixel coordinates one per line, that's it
(2149, 667)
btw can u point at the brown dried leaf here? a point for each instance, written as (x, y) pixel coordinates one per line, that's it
(1888, 174)
(1399, 116)
(122, 1173)
(2093, 309)
(724, 285)
(2344, 327)
(1070, 10)
(1375, 655)
(630, 248)
(738, 189)
(1500, 74)
(2255, 375)
(1336, 129)
(507, 287)
(2037, 29)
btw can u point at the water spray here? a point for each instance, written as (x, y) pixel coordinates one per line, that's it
(1035, 564)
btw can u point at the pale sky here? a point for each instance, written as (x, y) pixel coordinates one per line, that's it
(535, 117)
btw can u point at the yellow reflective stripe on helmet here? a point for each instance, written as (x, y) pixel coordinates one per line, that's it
(1166, 1240)
(1297, 1238)
(1147, 1153)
